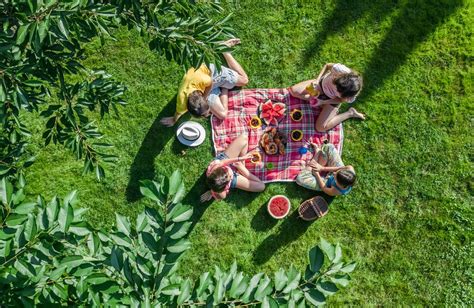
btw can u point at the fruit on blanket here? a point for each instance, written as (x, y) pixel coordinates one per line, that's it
(281, 149)
(296, 115)
(271, 112)
(273, 142)
(278, 206)
(256, 158)
(255, 122)
(271, 148)
(296, 135)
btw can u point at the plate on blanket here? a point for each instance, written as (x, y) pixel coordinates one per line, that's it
(273, 142)
(271, 112)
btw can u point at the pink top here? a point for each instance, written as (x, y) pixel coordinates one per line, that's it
(229, 171)
(328, 87)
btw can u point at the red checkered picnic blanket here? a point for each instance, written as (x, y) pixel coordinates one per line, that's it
(243, 105)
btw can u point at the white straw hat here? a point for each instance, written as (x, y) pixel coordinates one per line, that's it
(191, 133)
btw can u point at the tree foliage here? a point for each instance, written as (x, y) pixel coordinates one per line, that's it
(41, 66)
(49, 254)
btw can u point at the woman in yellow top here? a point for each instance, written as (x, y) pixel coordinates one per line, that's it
(200, 90)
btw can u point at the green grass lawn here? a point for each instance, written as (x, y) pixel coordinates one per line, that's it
(408, 221)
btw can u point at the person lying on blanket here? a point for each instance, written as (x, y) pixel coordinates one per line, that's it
(339, 179)
(335, 84)
(200, 89)
(228, 171)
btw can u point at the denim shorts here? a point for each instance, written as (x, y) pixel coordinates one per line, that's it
(226, 78)
(221, 156)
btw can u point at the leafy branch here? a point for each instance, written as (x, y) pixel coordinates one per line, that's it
(49, 254)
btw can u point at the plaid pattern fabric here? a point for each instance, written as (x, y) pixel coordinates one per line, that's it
(243, 105)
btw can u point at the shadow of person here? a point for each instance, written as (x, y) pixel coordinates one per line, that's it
(411, 27)
(193, 198)
(155, 140)
(290, 230)
(344, 13)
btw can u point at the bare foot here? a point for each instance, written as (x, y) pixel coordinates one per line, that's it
(356, 114)
(231, 42)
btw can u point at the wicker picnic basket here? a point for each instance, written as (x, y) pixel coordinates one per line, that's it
(313, 208)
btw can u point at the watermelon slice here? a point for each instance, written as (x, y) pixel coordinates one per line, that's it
(279, 206)
(271, 112)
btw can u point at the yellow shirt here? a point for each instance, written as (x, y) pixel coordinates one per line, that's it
(194, 80)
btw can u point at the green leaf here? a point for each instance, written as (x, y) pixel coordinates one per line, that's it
(269, 302)
(63, 26)
(65, 217)
(181, 212)
(316, 259)
(52, 210)
(6, 191)
(327, 288)
(93, 243)
(185, 292)
(7, 248)
(171, 290)
(280, 279)
(293, 279)
(248, 295)
(219, 291)
(337, 254)
(179, 247)
(315, 297)
(142, 222)
(239, 285)
(175, 182)
(97, 278)
(150, 189)
(121, 239)
(123, 224)
(180, 230)
(25, 268)
(72, 261)
(30, 227)
(15, 219)
(348, 268)
(264, 288)
(204, 282)
(22, 33)
(328, 249)
(81, 229)
(71, 198)
(25, 208)
(342, 280)
(179, 194)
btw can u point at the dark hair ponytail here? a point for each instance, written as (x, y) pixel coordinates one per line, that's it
(346, 177)
(217, 180)
(348, 85)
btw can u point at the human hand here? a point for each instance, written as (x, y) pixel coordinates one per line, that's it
(167, 121)
(232, 42)
(206, 196)
(247, 156)
(315, 166)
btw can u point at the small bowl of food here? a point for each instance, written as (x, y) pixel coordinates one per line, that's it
(255, 122)
(296, 115)
(296, 135)
(279, 206)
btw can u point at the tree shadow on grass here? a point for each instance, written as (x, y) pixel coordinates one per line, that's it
(412, 25)
(155, 140)
(344, 13)
(289, 231)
